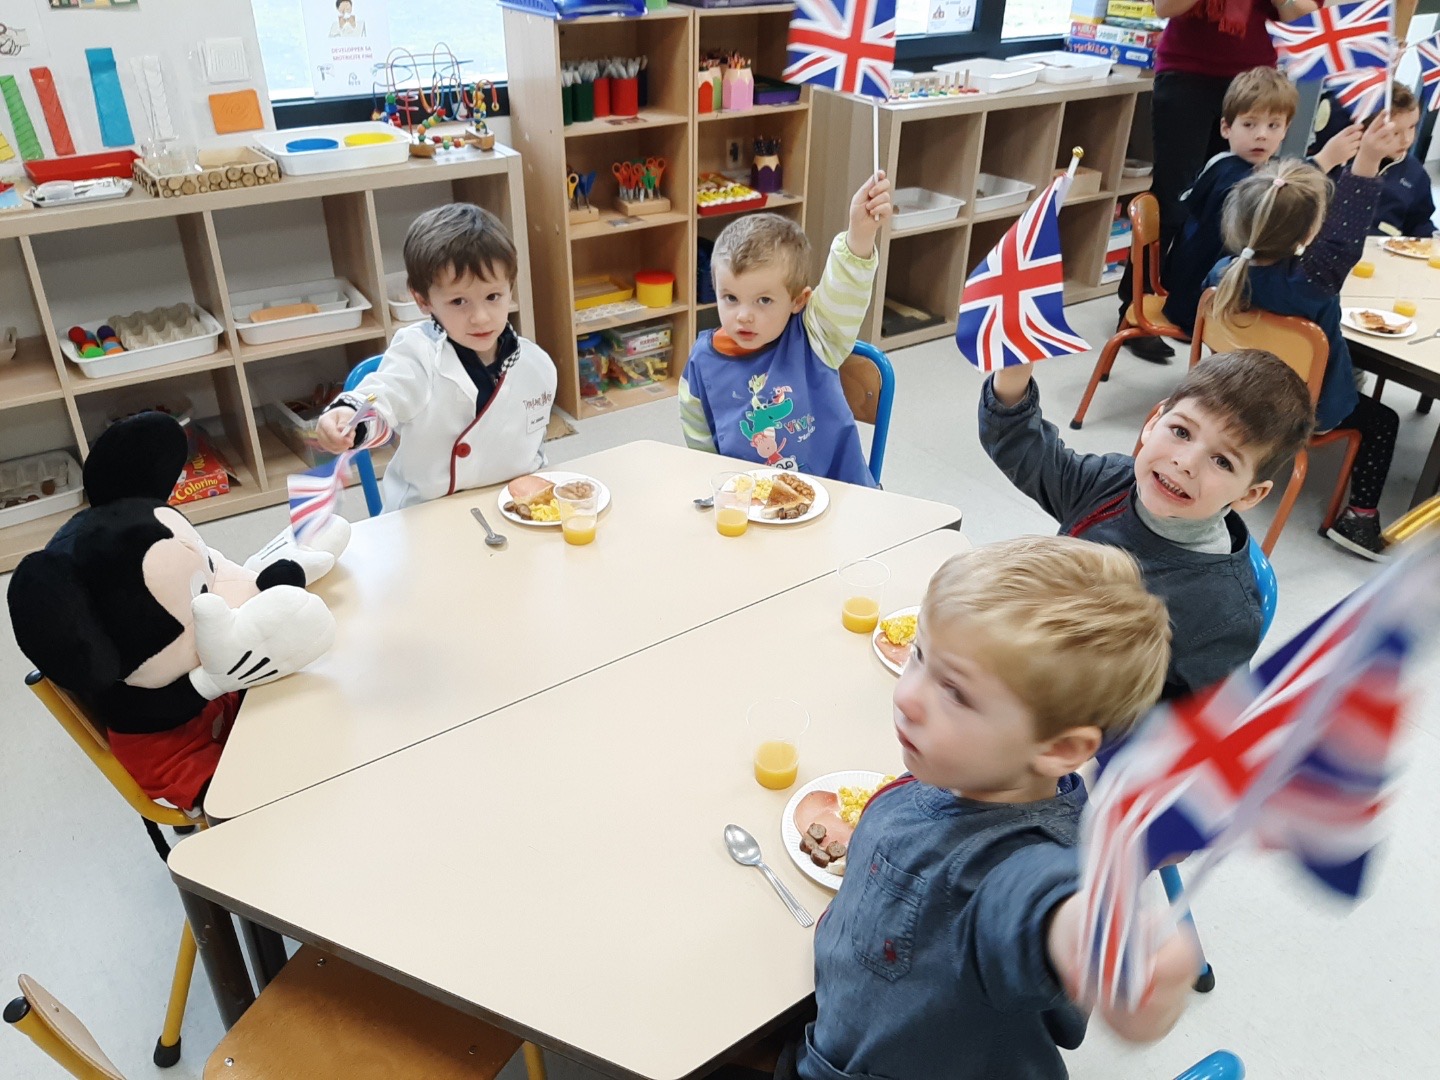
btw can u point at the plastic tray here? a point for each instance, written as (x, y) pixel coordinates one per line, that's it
(916, 207)
(342, 307)
(141, 359)
(52, 463)
(1068, 67)
(997, 192)
(341, 159)
(397, 294)
(116, 163)
(995, 76)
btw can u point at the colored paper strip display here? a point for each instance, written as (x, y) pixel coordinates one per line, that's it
(25, 135)
(115, 127)
(53, 111)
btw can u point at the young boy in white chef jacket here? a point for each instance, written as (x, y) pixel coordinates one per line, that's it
(469, 398)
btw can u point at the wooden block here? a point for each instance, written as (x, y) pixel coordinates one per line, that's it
(641, 207)
(580, 217)
(236, 111)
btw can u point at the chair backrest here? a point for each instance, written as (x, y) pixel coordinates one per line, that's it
(58, 1032)
(363, 463)
(89, 737)
(1299, 342)
(868, 379)
(1144, 213)
(1269, 587)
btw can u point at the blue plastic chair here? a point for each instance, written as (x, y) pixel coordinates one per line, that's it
(1170, 875)
(868, 403)
(1221, 1065)
(363, 465)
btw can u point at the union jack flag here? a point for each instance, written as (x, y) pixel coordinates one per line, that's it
(1361, 92)
(315, 493)
(1428, 53)
(1296, 754)
(846, 45)
(1012, 309)
(1334, 39)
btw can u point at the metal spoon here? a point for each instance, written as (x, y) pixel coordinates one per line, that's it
(492, 538)
(706, 503)
(745, 850)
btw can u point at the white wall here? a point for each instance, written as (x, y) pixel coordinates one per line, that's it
(170, 29)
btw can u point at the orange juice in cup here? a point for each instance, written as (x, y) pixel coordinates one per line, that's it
(1406, 308)
(862, 584)
(1434, 261)
(1364, 268)
(775, 726)
(733, 492)
(578, 502)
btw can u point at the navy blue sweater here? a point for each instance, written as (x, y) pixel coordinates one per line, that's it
(1198, 245)
(1405, 205)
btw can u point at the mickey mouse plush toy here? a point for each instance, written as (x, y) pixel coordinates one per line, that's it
(155, 633)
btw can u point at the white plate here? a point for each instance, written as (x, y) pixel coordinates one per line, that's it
(818, 507)
(557, 478)
(890, 665)
(1347, 318)
(790, 835)
(1385, 244)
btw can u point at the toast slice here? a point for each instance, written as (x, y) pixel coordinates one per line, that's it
(785, 501)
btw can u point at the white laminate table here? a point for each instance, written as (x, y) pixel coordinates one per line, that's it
(436, 629)
(558, 868)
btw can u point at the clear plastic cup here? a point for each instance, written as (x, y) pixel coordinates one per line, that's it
(862, 588)
(578, 502)
(1364, 268)
(775, 726)
(733, 492)
(1406, 308)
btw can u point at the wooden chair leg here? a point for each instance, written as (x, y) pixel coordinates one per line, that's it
(534, 1062)
(1287, 501)
(1103, 364)
(167, 1047)
(1342, 485)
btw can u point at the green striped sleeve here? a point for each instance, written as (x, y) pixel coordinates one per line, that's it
(696, 430)
(837, 306)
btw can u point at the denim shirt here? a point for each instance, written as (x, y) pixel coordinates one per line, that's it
(931, 963)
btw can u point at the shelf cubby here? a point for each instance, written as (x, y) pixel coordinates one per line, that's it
(1102, 129)
(942, 155)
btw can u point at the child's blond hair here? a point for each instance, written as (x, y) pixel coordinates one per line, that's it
(1066, 624)
(1260, 90)
(759, 240)
(1267, 216)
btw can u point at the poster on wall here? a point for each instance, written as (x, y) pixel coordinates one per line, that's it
(92, 4)
(951, 16)
(347, 39)
(21, 37)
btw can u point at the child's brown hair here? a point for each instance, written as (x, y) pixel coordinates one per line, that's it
(1267, 216)
(1402, 100)
(1260, 90)
(757, 240)
(459, 239)
(1066, 624)
(1257, 398)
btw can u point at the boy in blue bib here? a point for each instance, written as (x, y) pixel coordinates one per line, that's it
(765, 387)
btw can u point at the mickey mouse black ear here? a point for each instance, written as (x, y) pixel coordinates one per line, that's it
(141, 455)
(56, 627)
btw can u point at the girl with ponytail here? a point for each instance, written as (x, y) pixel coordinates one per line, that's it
(1294, 246)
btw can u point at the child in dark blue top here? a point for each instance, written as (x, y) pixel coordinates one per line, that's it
(1257, 112)
(1406, 204)
(1294, 256)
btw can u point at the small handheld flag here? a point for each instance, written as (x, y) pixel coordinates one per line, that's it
(315, 493)
(1334, 40)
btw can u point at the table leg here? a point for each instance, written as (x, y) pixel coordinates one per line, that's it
(220, 952)
(266, 949)
(1429, 481)
(1425, 402)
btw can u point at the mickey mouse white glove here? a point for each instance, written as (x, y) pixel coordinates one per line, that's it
(316, 557)
(275, 633)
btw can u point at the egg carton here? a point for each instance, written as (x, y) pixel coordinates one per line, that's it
(158, 326)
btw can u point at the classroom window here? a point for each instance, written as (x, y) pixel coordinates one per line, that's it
(1035, 18)
(472, 28)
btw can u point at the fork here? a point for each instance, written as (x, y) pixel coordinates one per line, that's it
(1427, 337)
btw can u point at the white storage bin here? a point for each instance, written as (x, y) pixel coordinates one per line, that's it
(394, 151)
(342, 307)
(1068, 67)
(397, 295)
(24, 476)
(152, 356)
(994, 76)
(916, 207)
(997, 192)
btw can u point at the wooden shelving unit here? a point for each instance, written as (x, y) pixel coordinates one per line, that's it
(668, 126)
(63, 266)
(943, 145)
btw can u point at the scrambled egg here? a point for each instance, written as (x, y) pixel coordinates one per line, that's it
(901, 629)
(548, 511)
(762, 489)
(853, 800)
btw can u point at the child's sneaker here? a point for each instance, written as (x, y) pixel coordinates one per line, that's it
(1360, 534)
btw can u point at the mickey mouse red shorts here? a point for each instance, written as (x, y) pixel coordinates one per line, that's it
(176, 765)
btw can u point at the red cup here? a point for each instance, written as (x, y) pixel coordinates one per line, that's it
(602, 97)
(625, 97)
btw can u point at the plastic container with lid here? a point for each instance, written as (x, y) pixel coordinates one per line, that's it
(655, 288)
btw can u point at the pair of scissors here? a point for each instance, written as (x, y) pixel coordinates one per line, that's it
(571, 183)
(587, 181)
(630, 179)
(655, 168)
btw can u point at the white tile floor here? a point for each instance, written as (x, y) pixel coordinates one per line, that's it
(1306, 988)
